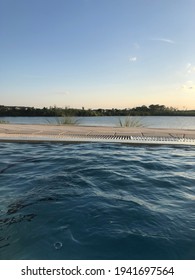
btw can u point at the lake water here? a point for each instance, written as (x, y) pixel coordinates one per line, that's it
(96, 201)
(150, 121)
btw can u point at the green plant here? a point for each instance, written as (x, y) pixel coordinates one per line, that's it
(3, 122)
(130, 122)
(66, 120)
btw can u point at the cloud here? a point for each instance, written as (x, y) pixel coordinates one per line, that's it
(189, 86)
(190, 68)
(132, 58)
(164, 40)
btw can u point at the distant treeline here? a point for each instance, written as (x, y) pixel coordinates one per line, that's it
(152, 110)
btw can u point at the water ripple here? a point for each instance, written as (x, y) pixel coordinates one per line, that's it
(96, 201)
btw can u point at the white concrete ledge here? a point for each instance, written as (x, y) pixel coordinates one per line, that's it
(132, 135)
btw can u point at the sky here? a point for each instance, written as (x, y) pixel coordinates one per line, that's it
(97, 53)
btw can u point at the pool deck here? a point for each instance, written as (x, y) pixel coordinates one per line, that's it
(71, 133)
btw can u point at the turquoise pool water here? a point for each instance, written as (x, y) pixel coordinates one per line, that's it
(96, 201)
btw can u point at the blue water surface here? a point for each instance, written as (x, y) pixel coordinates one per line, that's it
(176, 122)
(96, 201)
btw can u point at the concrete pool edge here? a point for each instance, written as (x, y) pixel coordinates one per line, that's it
(69, 133)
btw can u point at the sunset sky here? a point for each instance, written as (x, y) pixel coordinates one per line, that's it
(97, 53)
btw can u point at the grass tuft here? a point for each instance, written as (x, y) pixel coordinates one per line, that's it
(3, 122)
(130, 122)
(66, 120)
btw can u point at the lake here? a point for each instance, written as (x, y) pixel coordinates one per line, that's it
(149, 121)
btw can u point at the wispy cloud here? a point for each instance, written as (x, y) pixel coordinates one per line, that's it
(164, 40)
(132, 59)
(190, 68)
(189, 86)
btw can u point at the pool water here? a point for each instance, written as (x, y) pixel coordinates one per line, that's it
(96, 201)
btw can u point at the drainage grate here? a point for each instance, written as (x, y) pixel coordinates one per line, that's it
(123, 139)
(133, 139)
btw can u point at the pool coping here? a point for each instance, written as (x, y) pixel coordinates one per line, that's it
(77, 133)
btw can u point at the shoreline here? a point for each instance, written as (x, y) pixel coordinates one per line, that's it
(76, 133)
